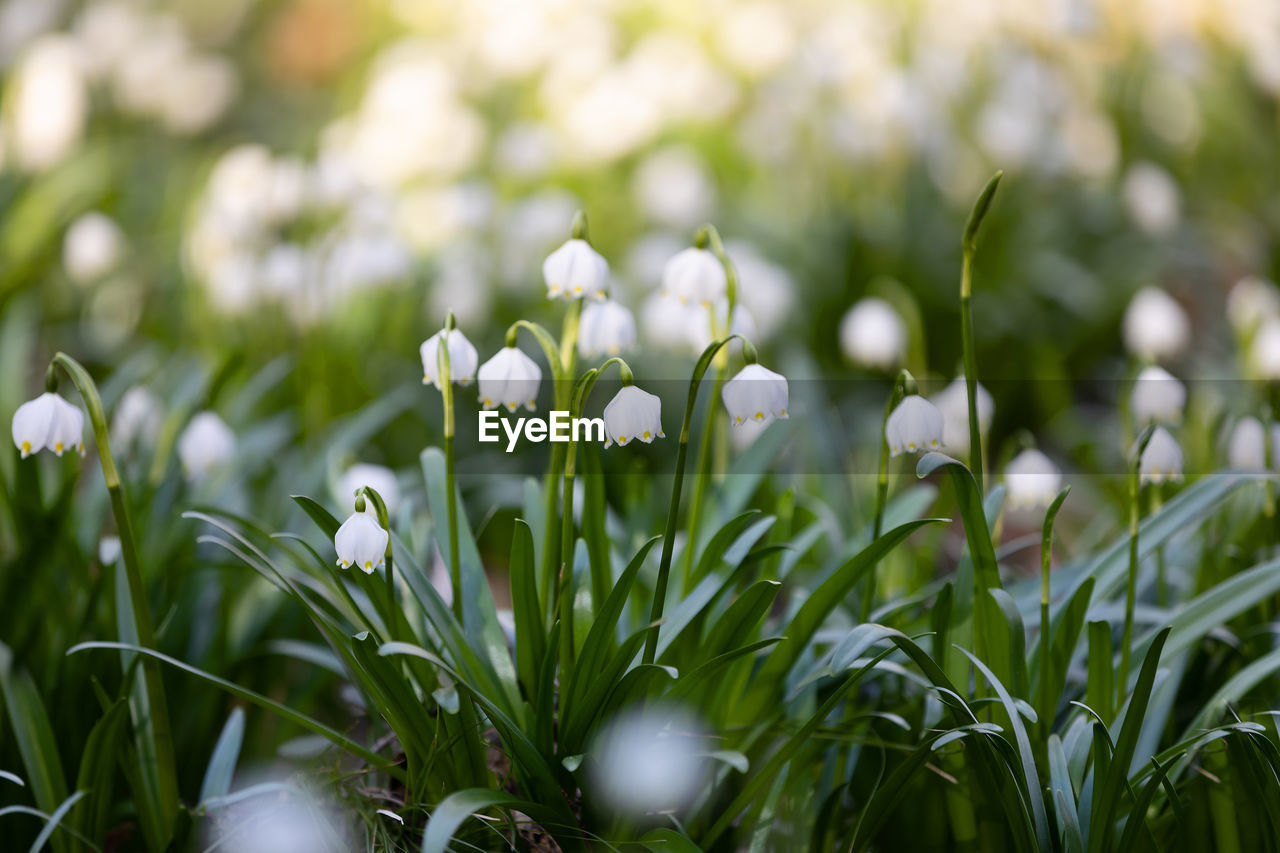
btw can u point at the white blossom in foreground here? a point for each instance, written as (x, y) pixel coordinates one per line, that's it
(1250, 301)
(1155, 326)
(695, 275)
(649, 761)
(953, 402)
(48, 423)
(576, 269)
(633, 414)
(462, 358)
(1157, 396)
(873, 335)
(361, 542)
(138, 417)
(207, 443)
(914, 426)
(92, 247)
(605, 328)
(1031, 480)
(509, 379)
(377, 477)
(1246, 448)
(1161, 460)
(755, 394)
(1264, 353)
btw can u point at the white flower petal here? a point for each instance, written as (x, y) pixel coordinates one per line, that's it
(695, 276)
(915, 426)
(755, 394)
(575, 269)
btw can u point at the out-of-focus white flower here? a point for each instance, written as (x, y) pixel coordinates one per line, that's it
(633, 414)
(1246, 448)
(207, 443)
(666, 320)
(873, 335)
(1264, 352)
(1250, 301)
(48, 423)
(1157, 396)
(509, 379)
(695, 276)
(605, 328)
(647, 257)
(953, 402)
(108, 32)
(138, 418)
(1161, 460)
(197, 93)
(673, 188)
(914, 426)
(377, 477)
(764, 288)
(1155, 326)
(108, 550)
(746, 433)
(755, 394)
(649, 760)
(279, 819)
(1152, 197)
(757, 38)
(48, 102)
(284, 270)
(1031, 480)
(525, 151)
(361, 542)
(92, 247)
(575, 269)
(462, 358)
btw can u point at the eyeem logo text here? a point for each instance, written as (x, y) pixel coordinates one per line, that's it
(558, 427)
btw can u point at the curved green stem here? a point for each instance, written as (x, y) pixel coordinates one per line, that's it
(1048, 702)
(152, 719)
(970, 247)
(882, 484)
(1131, 581)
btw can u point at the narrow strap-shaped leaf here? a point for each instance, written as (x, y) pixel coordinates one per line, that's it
(454, 809)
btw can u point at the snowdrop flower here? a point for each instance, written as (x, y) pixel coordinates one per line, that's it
(1246, 448)
(953, 402)
(914, 426)
(509, 379)
(647, 761)
(873, 335)
(1157, 396)
(1031, 480)
(695, 275)
(377, 477)
(755, 394)
(47, 102)
(631, 414)
(93, 246)
(576, 269)
(667, 321)
(605, 328)
(1250, 301)
(1161, 460)
(1155, 326)
(48, 422)
(138, 417)
(205, 444)
(361, 541)
(462, 358)
(1264, 352)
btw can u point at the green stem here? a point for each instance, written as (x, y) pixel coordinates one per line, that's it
(451, 508)
(154, 719)
(970, 246)
(882, 482)
(1131, 581)
(1048, 702)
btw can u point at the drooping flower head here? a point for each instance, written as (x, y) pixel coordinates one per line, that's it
(462, 358)
(1157, 396)
(205, 444)
(48, 422)
(1161, 460)
(361, 541)
(695, 275)
(1247, 449)
(1155, 326)
(633, 414)
(914, 426)
(953, 402)
(873, 335)
(755, 394)
(575, 269)
(509, 379)
(605, 328)
(1031, 480)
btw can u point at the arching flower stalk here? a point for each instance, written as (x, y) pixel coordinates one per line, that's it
(969, 245)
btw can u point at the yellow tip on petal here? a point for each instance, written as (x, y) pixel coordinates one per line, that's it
(647, 435)
(488, 404)
(759, 416)
(577, 289)
(26, 449)
(622, 439)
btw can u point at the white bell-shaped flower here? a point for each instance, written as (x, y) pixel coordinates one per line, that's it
(207, 443)
(361, 542)
(633, 414)
(914, 426)
(1246, 448)
(695, 276)
(873, 335)
(509, 379)
(576, 269)
(1250, 301)
(755, 394)
(377, 477)
(48, 423)
(462, 358)
(665, 320)
(1155, 326)
(1264, 353)
(1031, 480)
(649, 760)
(953, 402)
(605, 328)
(92, 247)
(1157, 396)
(1161, 460)
(138, 417)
